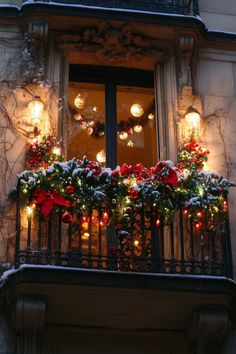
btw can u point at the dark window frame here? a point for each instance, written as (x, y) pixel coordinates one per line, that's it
(111, 78)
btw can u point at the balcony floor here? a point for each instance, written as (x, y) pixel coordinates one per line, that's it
(117, 300)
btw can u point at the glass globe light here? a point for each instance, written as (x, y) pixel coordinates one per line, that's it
(79, 101)
(136, 110)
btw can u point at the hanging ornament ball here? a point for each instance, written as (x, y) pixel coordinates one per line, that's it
(70, 189)
(77, 117)
(79, 101)
(138, 128)
(136, 110)
(130, 143)
(123, 135)
(151, 116)
(67, 217)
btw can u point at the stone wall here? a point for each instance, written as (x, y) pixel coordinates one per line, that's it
(216, 86)
(16, 128)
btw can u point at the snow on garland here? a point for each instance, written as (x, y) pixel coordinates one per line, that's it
(76, 188)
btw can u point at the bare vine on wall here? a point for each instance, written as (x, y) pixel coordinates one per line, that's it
(16, 130)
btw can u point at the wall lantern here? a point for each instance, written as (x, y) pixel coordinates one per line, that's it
(35, 107)
(193, 117)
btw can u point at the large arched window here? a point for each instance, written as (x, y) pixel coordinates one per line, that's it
(112, 115)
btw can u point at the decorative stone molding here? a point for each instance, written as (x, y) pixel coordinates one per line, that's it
(36, 37)
(29, 321)
(107, 45)
(208, 330)
(185, 64)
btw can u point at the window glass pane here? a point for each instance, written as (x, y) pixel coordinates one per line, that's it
(86, 126)
(136, 124)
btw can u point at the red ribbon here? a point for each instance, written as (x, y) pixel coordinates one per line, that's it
(47, 199)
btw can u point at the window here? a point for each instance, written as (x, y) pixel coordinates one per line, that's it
(112, 115)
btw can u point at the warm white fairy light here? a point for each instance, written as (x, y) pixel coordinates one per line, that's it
(56, 150)
(151, 116)
(138, 128)
(123, 135)
(77, 117)
(101, 156)
(86, 234)
(130, 143)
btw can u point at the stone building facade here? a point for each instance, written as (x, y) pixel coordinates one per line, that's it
(190, 48)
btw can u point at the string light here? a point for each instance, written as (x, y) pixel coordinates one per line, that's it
(78, 117)
(56, 150)
(123, 135)
(86, 234)
(101, 156)
(138, 128)
(158, 222)
(136, 242)
(151, 116)
(130, 143)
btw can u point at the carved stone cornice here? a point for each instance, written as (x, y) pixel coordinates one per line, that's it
(185, 61)
(108, 45)
(28, 322)
(207, 331)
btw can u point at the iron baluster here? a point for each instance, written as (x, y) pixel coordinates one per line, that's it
(18, 224)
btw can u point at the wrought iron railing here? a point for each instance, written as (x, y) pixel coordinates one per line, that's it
(184, 7)
(147, 245)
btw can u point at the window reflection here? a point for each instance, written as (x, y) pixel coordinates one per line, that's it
(136, 125)
(86, 128)
(135, 130)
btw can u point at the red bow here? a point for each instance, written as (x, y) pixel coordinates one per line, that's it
(47, 199)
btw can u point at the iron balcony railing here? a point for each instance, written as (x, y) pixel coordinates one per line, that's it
(145, 246)
(183, 7)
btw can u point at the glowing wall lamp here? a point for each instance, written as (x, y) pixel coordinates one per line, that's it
(35, 107)
(193, 117)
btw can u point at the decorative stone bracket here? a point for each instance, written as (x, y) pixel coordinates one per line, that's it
(29, 321)
(34, 53)
(185, 63)
(208, 330)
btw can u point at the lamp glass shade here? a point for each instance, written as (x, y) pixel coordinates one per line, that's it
(35, 107)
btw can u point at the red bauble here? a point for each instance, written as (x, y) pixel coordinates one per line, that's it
(66, 217)
(70, 189)
(133, 193)
(115, 174)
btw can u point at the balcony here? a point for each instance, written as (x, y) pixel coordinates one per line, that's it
(118, 226)
(182, 7)
(175, 249)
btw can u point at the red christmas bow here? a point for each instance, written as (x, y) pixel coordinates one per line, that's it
(47, 199)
